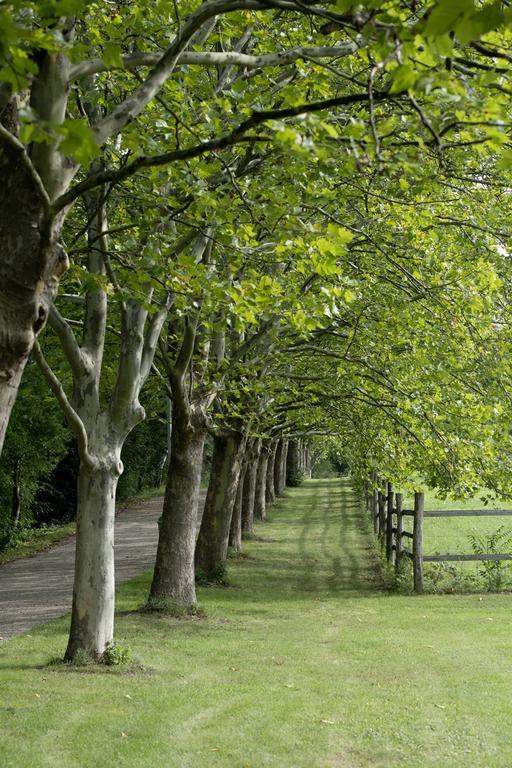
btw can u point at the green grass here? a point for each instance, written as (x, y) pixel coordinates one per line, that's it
(304, 662)
(451, 535)
(30, 541)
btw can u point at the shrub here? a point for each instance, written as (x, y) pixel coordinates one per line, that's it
(499, 542)
(114, 655)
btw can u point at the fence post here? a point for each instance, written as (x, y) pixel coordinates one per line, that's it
(389, 524)
(371, 485)
(382, 513)
(375, 512)
(417, 542)
(399, 531)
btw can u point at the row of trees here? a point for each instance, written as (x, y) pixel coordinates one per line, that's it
(261, 237)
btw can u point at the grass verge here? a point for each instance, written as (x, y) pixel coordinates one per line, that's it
(306, 662)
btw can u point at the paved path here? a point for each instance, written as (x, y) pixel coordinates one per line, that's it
(39, 588)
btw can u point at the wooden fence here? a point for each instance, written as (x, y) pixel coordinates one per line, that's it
(387, 514)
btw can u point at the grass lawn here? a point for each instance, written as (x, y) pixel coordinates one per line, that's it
(305, 662)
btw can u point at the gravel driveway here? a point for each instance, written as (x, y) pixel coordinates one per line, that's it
(39, 588)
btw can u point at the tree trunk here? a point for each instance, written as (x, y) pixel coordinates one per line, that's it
(307, 462)
(164, 467)
(249, 495)
(16, 495)
(9, 385)
(282, 469)
(31, 261)
(300, 448)
(278, 467)
(235, 533)
(270, 495)
(174, 575)
(260, 504)
(292, 464)
(92, 617)
(212, 544)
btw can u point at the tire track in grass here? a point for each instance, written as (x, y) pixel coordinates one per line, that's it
(334, 543)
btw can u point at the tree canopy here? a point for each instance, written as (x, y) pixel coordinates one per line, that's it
(288, 219)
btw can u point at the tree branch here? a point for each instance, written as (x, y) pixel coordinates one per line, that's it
(68, 341)
(215, 59)
(73, 419)
(151, 340)
(221, 142)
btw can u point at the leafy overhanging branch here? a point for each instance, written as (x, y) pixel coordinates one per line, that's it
(136, 101)
(239, 134)
(132, 61)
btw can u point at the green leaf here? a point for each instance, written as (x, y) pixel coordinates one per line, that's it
(445, 16)
(404, 78)
(478, 24)
(78, 141)
(112, 55)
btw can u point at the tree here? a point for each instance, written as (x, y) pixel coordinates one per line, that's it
(316, 251)
(45, 140)
(102, 422)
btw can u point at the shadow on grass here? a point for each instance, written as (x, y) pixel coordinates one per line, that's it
(317, 547)
(330, 556)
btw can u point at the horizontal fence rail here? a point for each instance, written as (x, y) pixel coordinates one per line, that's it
(470, 513)
(385, 505)
(463, 558)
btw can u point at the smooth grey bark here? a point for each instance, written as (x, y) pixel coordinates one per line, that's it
(282, 468)
(92, 617)
(235, 532)
(101, 431)
(11, 371)
(278, 467)
(249, 490)
(174, 574)
(307, 461)
(212, 543)
(270, 494)
(300, 450)
(260, 504)
(164, 467)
